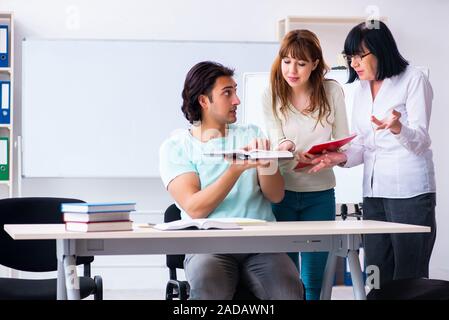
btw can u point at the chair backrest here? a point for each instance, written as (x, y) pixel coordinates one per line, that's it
(174, 261)
(31, 255)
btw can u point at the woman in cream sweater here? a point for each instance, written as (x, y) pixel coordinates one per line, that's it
(301, 109)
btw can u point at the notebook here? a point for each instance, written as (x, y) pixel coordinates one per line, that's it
(329, 146)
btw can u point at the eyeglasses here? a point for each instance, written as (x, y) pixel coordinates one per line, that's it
(357, 57)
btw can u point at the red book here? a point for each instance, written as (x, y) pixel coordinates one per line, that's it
(329, 146)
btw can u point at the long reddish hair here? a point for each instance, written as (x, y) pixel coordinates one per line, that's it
(300, 45)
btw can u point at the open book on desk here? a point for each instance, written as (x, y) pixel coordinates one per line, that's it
(197, 224)
(211, 223)
(329, 146)
(255, 154)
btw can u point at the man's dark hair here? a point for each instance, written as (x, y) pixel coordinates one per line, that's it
(378, 39)
(200, 80)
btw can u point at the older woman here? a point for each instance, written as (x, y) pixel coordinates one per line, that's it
(391, 115)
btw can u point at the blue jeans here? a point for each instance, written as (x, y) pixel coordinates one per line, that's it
(308, 206)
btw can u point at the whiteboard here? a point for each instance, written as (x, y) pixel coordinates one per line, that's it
(349, 181)
(102, 108)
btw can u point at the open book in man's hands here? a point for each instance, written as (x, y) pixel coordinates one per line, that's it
(255, 154)
(197, 224)
(329, 146)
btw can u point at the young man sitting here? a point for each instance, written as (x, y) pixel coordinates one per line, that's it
(211, 187)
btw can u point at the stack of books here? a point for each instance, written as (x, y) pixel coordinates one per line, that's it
(87, 217)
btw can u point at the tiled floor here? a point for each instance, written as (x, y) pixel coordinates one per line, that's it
(338, 293)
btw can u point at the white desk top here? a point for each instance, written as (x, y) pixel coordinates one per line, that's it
(304, 228)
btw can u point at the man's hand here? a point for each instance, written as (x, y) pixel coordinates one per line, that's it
(391, 122)
(287, 145)
(242, 165)
(269, 178)
(260, 144)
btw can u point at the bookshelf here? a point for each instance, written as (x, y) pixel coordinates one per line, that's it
(6, 129)
(331, 31)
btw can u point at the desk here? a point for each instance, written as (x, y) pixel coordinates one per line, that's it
(340, 238)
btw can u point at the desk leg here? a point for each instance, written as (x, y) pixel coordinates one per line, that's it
(72, 281)
(328, 277)
(356, 275)
(61, 290)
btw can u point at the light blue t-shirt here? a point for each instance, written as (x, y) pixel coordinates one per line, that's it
(182, 153)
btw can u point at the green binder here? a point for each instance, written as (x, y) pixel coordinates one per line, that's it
(4, 158)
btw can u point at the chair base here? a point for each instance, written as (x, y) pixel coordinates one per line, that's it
(43, 289)
(177, 290)
(412, 289)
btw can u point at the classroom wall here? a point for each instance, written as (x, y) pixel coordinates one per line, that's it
(419, 28)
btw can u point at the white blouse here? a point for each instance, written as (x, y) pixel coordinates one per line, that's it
(395, 166)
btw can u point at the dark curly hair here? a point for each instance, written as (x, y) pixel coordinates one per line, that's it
(199, 81)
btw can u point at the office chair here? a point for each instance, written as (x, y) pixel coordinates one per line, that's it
(37, 255)
(177, 289)
(411, 289)
(356, 214)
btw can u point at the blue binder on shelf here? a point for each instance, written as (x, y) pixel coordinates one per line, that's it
(5, 102)
(4, 46)
(4, 158)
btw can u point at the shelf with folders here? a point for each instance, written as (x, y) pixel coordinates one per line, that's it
(303, 22)
(6, 104)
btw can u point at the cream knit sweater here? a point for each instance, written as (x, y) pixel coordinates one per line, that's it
(304, 131)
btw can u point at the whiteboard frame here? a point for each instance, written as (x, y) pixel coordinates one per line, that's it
(271, 49)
